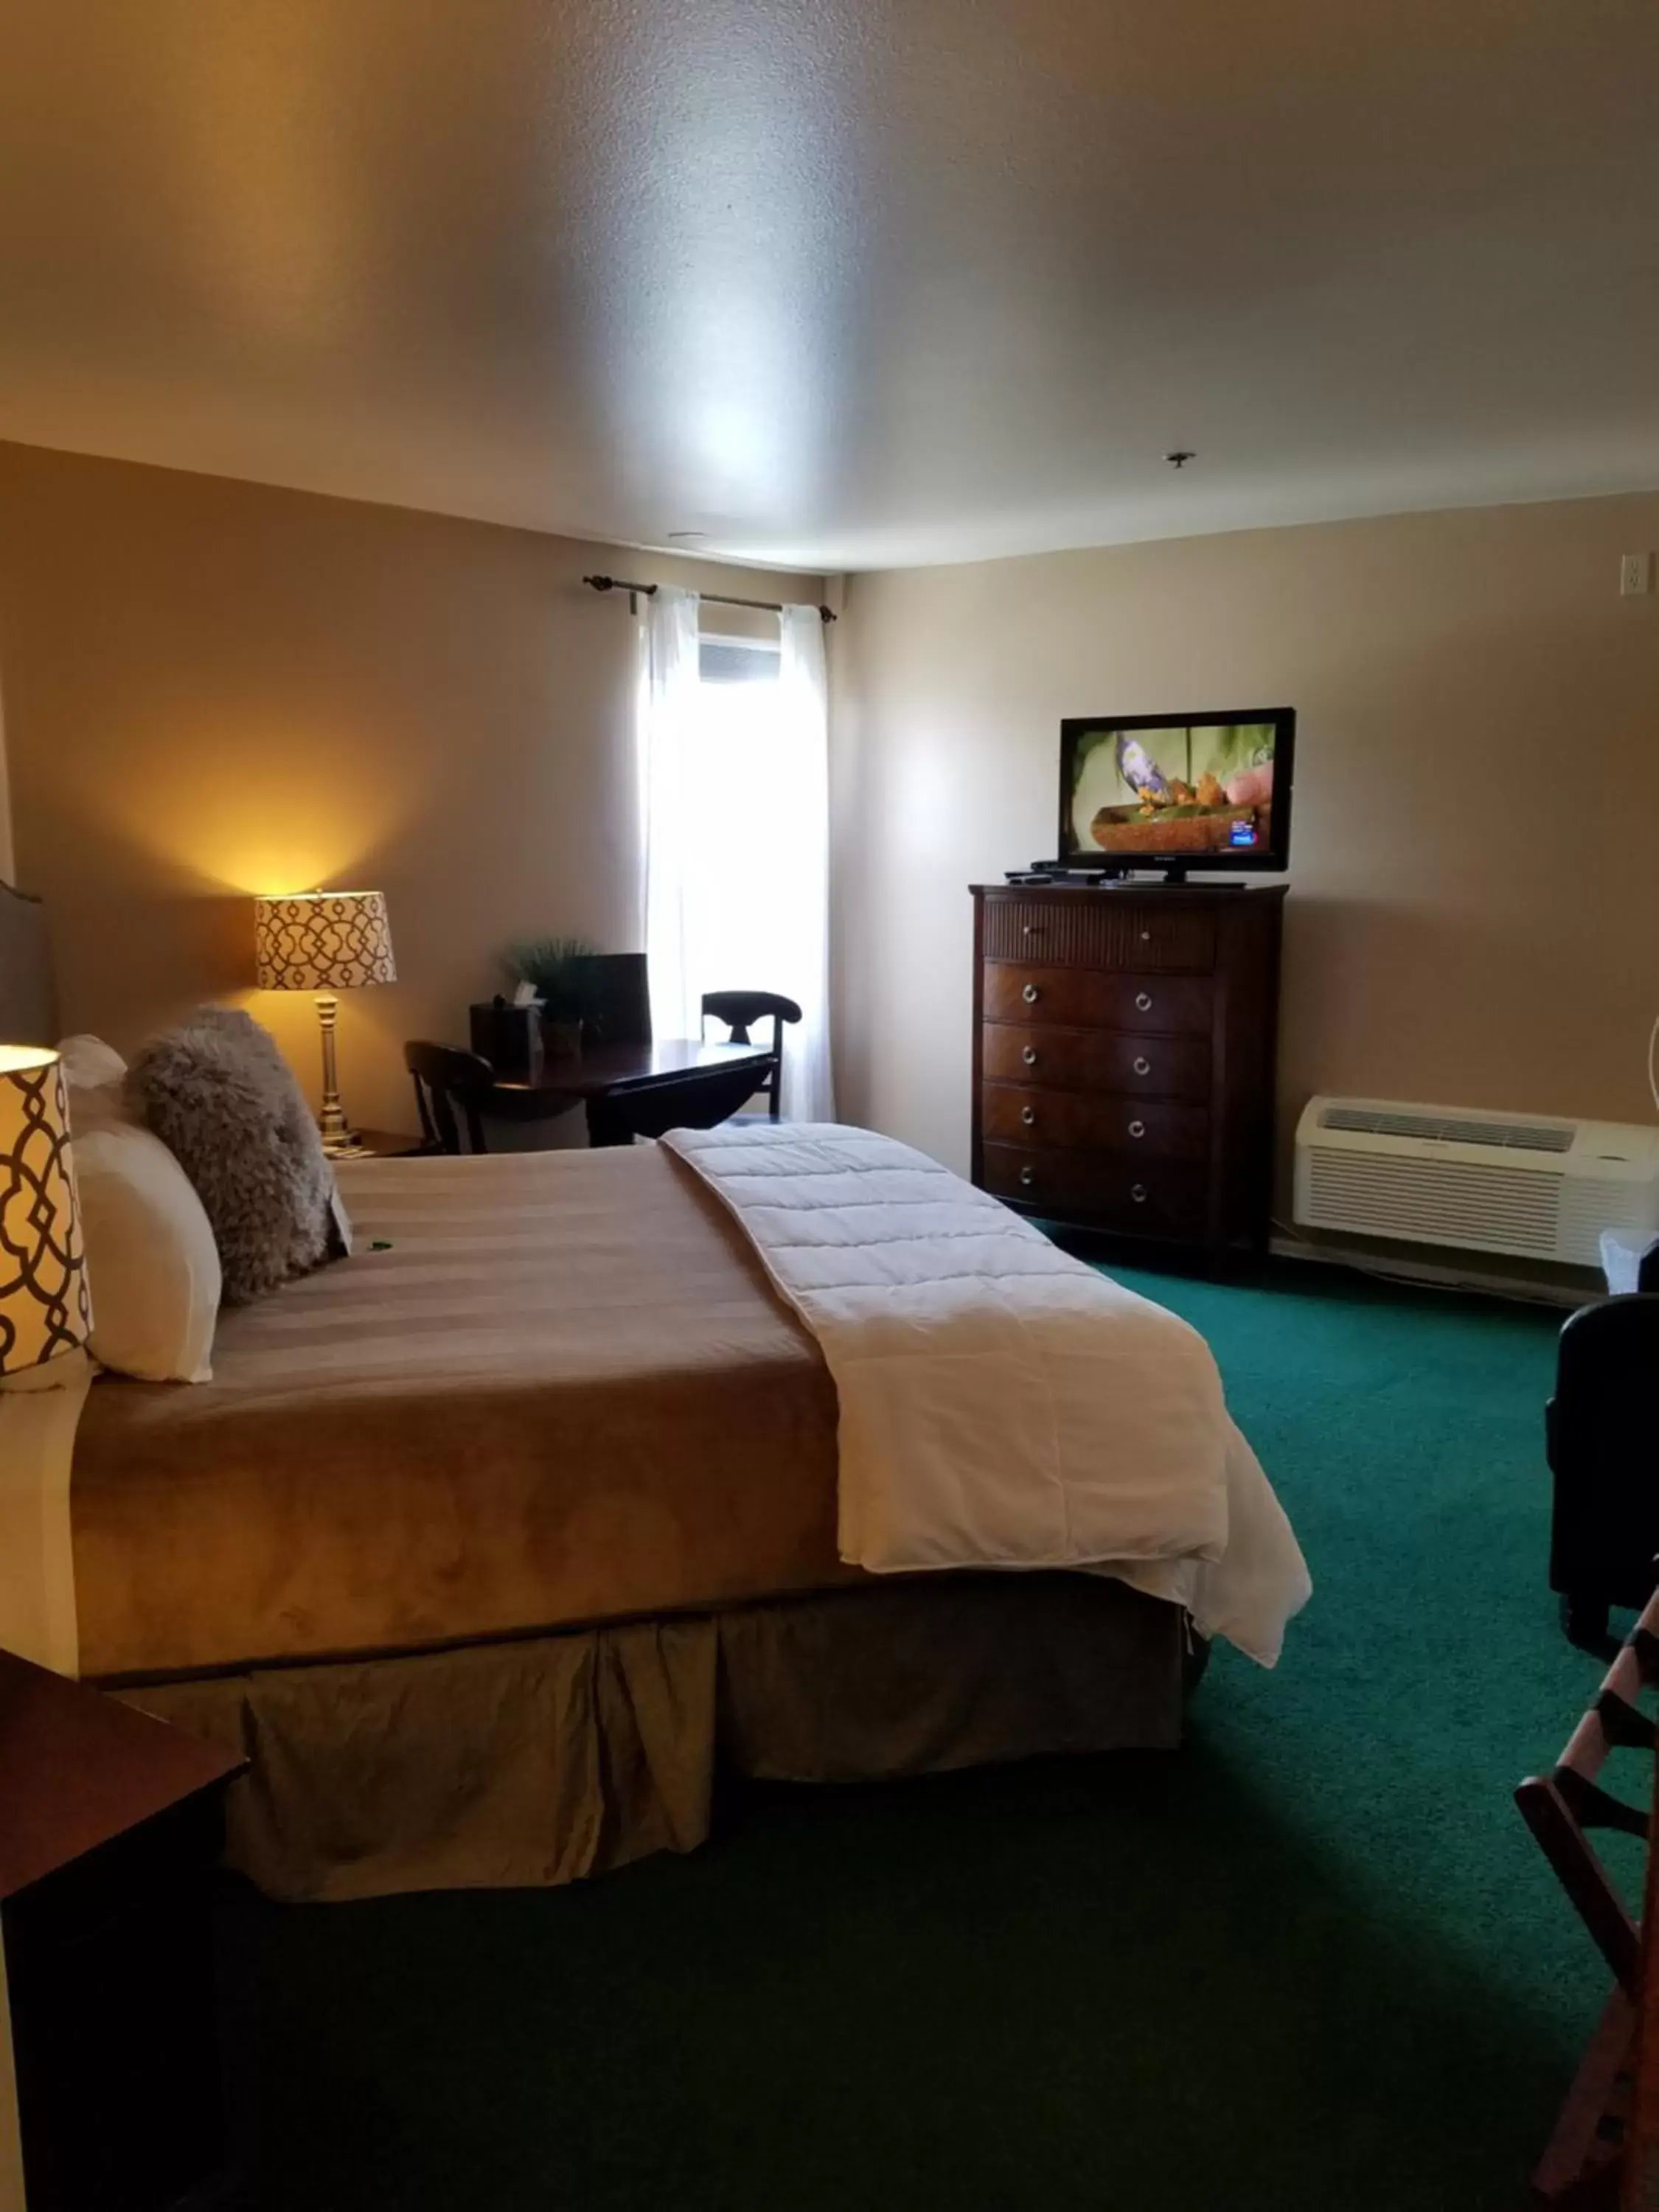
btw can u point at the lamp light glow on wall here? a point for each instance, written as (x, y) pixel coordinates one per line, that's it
(44, 1307)
(324, 942)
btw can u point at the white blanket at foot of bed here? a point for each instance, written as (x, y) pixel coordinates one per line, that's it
(1002, 1405)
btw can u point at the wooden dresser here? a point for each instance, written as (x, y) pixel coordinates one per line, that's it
(1124, 1042)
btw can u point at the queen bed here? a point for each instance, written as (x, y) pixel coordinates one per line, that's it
(491, 1542)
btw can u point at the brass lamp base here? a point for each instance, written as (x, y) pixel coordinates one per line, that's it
(340, 1139)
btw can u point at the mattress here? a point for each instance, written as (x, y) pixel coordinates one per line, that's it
(547, 1389)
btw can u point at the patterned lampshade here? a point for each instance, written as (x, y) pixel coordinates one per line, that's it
(323, 941)
(43, 1308)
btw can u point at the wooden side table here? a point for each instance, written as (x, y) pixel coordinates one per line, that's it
(110, 1824)
(385, 1145)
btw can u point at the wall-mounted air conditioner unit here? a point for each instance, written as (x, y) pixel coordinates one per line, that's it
(1484, 1182)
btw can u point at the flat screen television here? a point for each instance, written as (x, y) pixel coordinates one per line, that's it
(1176, 791)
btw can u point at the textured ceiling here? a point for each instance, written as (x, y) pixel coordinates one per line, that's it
(846, 283)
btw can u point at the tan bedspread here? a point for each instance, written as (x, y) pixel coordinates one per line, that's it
(566, 1393)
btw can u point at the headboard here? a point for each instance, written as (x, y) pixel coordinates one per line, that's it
(28, 998)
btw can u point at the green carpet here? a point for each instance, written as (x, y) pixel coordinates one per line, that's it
(1312, 1960)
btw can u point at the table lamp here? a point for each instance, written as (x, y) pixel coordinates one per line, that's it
(44, 1307)
(325, 941)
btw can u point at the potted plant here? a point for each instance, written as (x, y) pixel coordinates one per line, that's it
(557, 969)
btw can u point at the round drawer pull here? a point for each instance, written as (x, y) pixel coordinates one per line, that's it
(1031, 994)
(1028, 1175)
(1145, 936)
(1137, 1128)
(1138, 1191)
(1143, 1065)
(1028, 1115)
(1030, 1055)
(1143, 1000)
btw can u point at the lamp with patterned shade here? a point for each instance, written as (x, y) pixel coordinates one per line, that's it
(325, 941)
(44, 1310)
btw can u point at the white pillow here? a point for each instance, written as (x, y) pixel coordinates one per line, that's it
(89, 1062)
(93, 1073)
(152, 1265)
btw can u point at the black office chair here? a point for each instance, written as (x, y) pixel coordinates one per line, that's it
(445, 1077)
(1603, 1439)
(737, 1009)
(617, 998)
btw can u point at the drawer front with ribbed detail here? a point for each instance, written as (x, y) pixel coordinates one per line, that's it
(1125, 1129)
(1101, 933)
(1125, 1066)
(1083, 998)
(1158, 1199)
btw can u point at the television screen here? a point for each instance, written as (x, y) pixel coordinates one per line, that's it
(1189, 791)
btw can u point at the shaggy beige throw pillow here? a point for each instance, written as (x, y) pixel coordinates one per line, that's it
(221, 1098)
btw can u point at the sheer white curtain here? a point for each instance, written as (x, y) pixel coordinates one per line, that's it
(735, 784)
(668, 716)
(801, 829)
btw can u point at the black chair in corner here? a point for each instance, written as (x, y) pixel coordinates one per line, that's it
(1603, 1439)
(445, 1077)
(737, 1009)
(616, 993)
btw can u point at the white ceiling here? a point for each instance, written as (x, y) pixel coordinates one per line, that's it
(842, 284)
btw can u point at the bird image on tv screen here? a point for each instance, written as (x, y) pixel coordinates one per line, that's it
(1187, 787)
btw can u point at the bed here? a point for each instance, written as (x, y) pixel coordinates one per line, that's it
(491, 1544)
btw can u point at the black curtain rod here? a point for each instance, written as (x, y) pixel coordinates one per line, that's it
(636, 591)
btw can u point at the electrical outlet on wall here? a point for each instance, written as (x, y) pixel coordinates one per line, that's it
(1635, 576)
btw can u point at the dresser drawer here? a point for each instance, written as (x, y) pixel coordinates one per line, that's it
(1100, 929)
(1159, 1200)
(1084, 998)
(1098, 1060)
(1124, 1129)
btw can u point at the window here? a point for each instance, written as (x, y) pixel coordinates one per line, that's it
(738, 797)
(735, 823)
(736, 659)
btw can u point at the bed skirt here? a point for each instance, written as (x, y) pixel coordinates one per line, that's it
(541, 1760)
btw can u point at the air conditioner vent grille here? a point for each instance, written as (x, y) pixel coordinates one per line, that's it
(1449, 1128)
(1436, 1202)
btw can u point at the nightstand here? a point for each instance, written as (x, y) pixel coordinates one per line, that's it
(111, 1823)
(385, 1145)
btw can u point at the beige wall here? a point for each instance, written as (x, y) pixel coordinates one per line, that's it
(5, 791)
(1475, 907)
(215, 688)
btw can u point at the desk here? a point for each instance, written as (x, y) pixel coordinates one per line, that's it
(606, 1071)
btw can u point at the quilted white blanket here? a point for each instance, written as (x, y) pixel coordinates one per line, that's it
(1002, 1405)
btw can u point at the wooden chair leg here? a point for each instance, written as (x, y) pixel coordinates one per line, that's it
(1579, 2171)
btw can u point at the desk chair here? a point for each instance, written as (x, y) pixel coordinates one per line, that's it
(737, 1009)
(616, 993)
(445, 1077)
